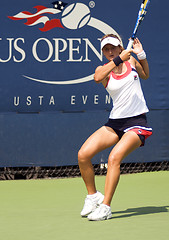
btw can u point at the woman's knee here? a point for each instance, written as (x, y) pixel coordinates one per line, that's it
(114, 160)
(83, 156)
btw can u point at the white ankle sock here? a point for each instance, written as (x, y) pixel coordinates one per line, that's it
(92, 195)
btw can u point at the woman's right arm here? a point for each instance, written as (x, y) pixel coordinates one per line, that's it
(102, 72)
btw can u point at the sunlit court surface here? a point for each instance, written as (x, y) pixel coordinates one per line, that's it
(50, 209)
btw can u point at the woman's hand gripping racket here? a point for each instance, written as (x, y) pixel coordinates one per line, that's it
(141, 14)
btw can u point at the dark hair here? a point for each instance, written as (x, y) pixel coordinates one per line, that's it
(110, 35)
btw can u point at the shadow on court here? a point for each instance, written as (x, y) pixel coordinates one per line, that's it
(140, 211)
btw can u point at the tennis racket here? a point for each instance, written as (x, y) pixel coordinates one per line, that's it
(141, 14)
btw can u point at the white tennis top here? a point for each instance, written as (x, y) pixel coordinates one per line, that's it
(126, 93)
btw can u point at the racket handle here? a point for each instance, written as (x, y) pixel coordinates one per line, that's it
(130, 44)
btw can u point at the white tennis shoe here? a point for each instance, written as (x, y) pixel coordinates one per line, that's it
(91, 203)
(103, 212)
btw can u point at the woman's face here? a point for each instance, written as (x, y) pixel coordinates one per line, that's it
(111, 51)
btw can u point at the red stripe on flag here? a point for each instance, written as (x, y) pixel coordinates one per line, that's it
(39, 8)
(51, 24)
(14, 18)
(26, 12)
(32, 20)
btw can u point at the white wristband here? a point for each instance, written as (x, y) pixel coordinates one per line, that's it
(141, 55)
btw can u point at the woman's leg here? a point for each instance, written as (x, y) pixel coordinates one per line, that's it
(103, 138)
(128, 143)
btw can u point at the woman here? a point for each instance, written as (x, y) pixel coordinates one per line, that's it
(126, 128)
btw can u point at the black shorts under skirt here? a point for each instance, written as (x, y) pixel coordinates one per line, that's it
(138, 124)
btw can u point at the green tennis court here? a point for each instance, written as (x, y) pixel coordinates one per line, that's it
(50, 209)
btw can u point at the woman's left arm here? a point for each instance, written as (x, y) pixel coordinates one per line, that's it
(142, 66)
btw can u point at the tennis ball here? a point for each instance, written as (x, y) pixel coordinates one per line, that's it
(75, 16)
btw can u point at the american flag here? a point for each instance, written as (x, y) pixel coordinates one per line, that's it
(40, 16)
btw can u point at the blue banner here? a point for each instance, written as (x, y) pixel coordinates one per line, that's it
(49, 52)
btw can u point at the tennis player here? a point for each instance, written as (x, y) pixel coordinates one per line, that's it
(126, 128)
